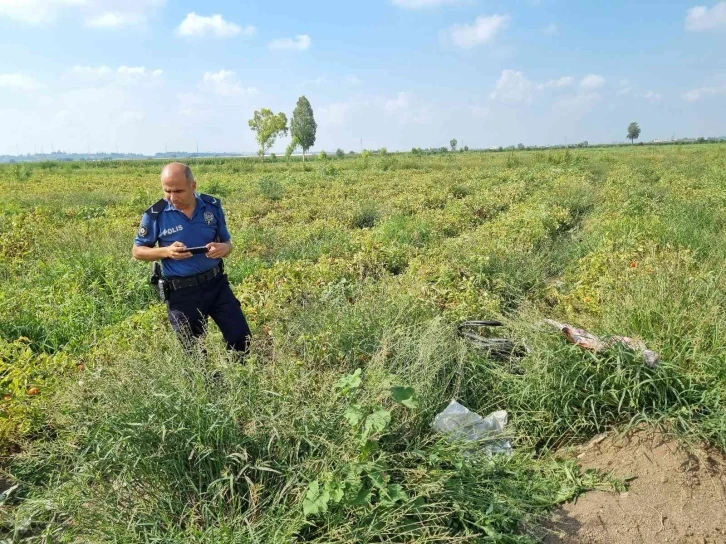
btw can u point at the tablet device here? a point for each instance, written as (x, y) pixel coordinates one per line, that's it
(197, 250)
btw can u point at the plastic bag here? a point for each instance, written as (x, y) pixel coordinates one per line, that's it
(458, 422)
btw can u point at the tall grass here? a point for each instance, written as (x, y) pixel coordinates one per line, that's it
(370, 267)
(152, 449)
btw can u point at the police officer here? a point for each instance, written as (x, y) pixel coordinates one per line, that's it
(198, 287)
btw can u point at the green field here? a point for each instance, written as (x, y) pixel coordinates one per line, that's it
(114, 435)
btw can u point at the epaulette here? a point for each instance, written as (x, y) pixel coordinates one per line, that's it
(155, 209)
(210, 200)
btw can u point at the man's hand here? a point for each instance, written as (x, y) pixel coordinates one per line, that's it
(218, 250)
(177, 251)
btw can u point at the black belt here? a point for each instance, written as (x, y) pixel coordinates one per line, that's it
(193, 281)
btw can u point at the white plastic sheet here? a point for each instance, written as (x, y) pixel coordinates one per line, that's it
(457, 422)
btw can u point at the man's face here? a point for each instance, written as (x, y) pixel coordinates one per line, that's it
(178, 190)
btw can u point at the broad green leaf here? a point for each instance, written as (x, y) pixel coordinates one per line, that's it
(336, 490)
(405, 396)
(349, 382)
(393, 494)
(378, 479)
(316, 500)
(369, 448)
(363, 497)
(354, 414)
(376, 422)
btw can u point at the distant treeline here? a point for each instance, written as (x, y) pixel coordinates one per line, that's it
(60, 156)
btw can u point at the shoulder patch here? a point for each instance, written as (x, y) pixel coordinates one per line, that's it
(143, 231)
(210, 200)
(156, 208)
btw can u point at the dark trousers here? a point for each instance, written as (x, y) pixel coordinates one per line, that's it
(189, 309)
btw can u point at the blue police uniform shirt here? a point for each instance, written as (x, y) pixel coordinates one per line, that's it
(173, 225)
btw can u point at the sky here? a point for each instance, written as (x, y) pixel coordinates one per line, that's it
(144, 76)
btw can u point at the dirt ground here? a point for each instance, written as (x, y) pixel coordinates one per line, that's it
(677, 495)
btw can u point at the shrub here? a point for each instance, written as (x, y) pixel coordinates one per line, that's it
(366, 216)
(271, 188)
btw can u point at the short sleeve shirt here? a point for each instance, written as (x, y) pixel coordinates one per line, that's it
(172, 225)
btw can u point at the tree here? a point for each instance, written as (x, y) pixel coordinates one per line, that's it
(268, 127)
(302, 125)
(520, 146)
(340, 153)
(292, 146)
(633, 131)
(453, 143)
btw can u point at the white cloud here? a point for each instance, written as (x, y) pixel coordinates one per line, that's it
(115, 20)
(105, 14)
(132, 116)
(301, 42)
(701, 18)
(95, 71)
(318, 81)
(33, 11)
(592, 81)
(512, 86)
(559, 83)
(550, 30)
(577, 104)
(480, 111)
(122, 76)
(226, 83)
(193, 106)
(417, 4)
(627, 90)
(103, 71)
(403, 109)
(214, 25)
(329, 82)
(352, 81)
(401, 102)
(703, 92)
(482, 31)
(20, 82)
(132, 70)
(336, 114)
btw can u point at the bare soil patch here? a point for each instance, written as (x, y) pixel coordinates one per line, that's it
(678, 494)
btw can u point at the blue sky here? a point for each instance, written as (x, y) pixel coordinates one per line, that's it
(145, 75)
